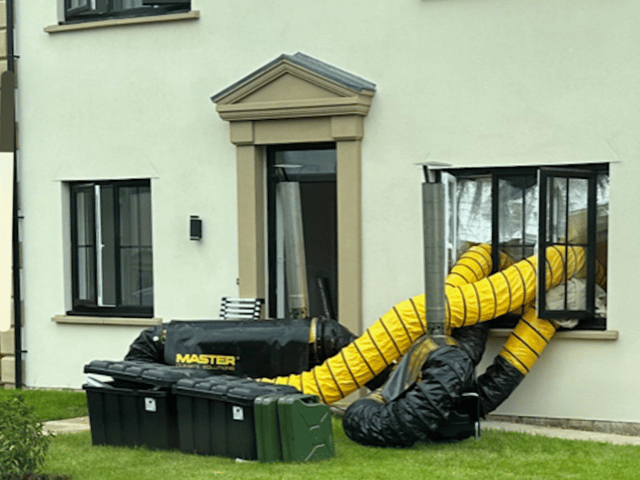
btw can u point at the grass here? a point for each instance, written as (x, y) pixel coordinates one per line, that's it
(495, 455)
(52, 404)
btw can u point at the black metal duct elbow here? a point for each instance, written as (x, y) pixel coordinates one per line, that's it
(329, 338)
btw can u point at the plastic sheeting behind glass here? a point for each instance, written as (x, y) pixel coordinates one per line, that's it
(517, 215)
(518, 210)
(473, 211)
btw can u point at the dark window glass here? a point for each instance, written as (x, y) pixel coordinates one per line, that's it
(85, 246)
(88, 10)
(135, 247)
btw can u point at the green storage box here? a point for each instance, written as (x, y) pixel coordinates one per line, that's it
(216, 416)
(306, 432)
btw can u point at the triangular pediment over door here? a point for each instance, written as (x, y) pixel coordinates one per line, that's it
(294, 86)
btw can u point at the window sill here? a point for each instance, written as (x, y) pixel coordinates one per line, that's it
(118, 22)
(568, 334)
(121, 321)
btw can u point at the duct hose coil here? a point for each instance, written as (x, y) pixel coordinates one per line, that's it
(422, 412)
(472, 296)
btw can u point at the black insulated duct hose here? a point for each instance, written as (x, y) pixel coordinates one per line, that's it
(331, 337)
(497, 383)
(473, 340)
(149, 346)
(422, 412)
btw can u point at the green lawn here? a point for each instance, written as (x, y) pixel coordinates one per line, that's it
(52, 404)
(495, 455)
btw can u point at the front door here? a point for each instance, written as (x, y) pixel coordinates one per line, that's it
(308, 173)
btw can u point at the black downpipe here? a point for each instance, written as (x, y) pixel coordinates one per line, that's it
(17, 294)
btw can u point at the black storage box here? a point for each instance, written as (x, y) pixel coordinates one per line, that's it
(216, 416)
(137, 407)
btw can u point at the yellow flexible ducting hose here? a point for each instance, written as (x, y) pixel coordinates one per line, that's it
(527, 341)
(511, 288)
(352, 368)
(473, 265)
(532, 334)
(467, 304)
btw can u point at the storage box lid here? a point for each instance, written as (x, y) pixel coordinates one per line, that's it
(141, 372)
(119, 370)
(214, 385)
(167, 376)
(248, 393)
(225, 387)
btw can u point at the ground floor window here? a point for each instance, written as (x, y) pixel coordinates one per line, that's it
(524, 210)
(112, 253)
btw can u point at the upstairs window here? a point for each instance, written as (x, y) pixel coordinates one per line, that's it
(88, 10)
(112, 248)
(524, 210)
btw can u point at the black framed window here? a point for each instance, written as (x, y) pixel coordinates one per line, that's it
(112, 252)
(88, 10)
(524, 210)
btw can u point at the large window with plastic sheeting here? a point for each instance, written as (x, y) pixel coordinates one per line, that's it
(526, 210)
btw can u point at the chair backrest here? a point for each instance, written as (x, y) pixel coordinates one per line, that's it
(241, 308)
